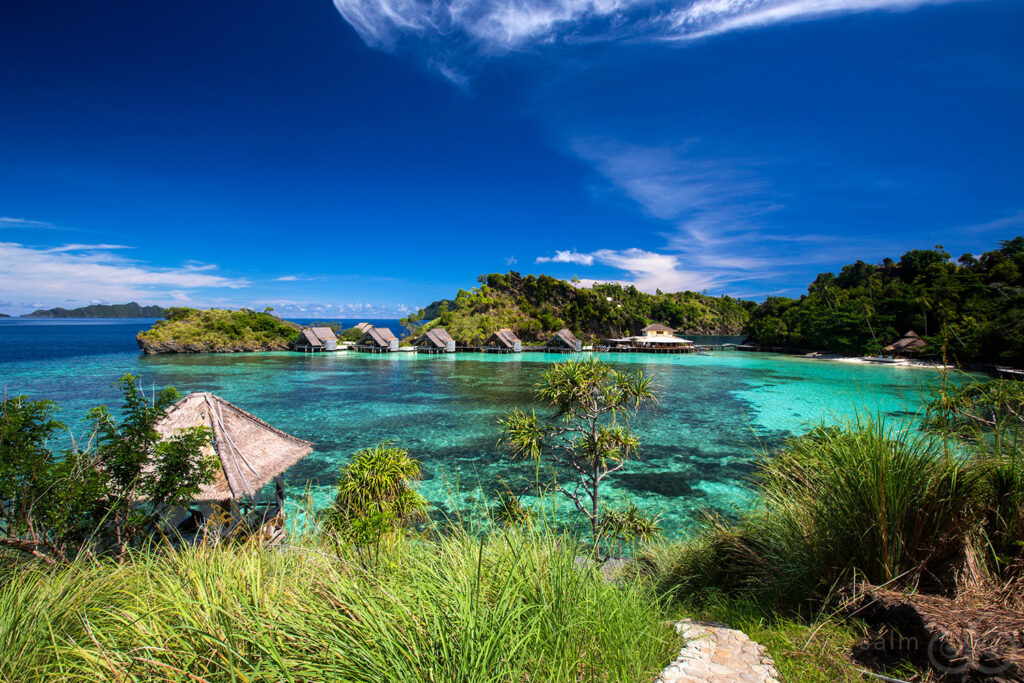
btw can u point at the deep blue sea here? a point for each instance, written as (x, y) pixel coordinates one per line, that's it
(698, 444)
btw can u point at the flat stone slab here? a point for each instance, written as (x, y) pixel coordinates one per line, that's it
(715, 653)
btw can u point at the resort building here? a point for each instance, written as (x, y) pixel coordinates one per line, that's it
(377, 340)
(362, 327)
(503, 341)
(436, 340)
(250, 454)
(654, 339)
(317, 339)
(563, 341)
(907, 345)
(657, 330)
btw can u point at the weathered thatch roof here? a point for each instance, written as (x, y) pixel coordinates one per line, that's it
(379, 336)
(324, 333)
(908, 343)
(363, 326)
(657, 327)
(437, 337)
(308, 338)
(564, 338)
(503, 337)
(251, 452)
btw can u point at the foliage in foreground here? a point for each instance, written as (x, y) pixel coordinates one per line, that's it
(375, 494)
(509, 607)
(885, 504)
(588, 437)
(101, 495)
(218, 330)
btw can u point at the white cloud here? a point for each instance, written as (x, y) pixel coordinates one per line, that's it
(568, 256)
(713, 17)
(446, 30)
(287, 278)
(86, 271)
(650, 270)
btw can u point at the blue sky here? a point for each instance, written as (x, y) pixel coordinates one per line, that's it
(368, 156)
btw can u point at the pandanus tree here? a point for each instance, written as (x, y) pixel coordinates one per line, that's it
(376, 493)
(587, 437)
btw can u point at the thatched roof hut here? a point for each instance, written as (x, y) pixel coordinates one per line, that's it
(435, 339)
(504, 340)
(308, 341)
(324, 333)
(378, 338)
(316, 339)
(362, 327)
(251, 452)
(907, 344)
(564, 340)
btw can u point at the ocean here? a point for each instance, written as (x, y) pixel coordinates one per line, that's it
(697, 446)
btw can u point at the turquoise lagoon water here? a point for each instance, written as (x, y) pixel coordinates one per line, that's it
(698, 445)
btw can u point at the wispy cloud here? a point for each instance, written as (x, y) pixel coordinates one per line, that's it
(87, 271)
(10, 222)
(445, 32)
(716, 214)
(83, 248)
(1004, 223)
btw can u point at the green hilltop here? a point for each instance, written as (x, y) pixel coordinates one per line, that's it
(970, 310)
(534, 307)
(189, 330)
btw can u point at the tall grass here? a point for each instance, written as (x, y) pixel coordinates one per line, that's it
(507, 607)
(884, 502)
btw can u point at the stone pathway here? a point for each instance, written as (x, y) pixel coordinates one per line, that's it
(715, 653)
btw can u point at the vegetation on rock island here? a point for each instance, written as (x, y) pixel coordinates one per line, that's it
(970, 310)
(534, 307)
(215, 330)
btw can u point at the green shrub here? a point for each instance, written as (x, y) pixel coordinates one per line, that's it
(883, 502)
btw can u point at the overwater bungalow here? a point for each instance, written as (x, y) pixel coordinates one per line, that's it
(436, 340)
(317, 339)
(377, 340)
(250, 454)
(503, 341)
(655, 338)
(563, 341)
(907, 345)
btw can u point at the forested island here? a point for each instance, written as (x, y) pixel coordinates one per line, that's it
(970, 310)
(534, 307)
(189, 330)
(129, 310)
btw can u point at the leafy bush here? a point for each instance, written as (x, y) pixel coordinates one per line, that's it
(104, 496)
(886, 503)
